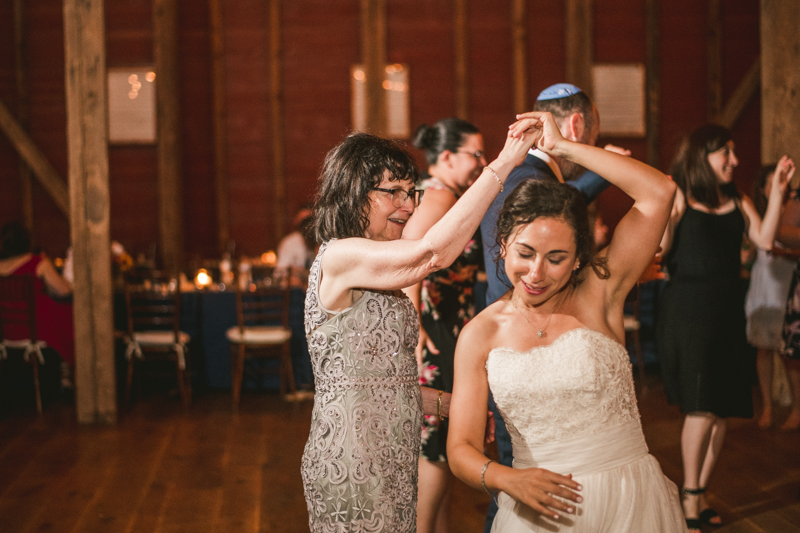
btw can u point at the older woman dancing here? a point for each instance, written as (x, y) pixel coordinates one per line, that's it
(360, 462)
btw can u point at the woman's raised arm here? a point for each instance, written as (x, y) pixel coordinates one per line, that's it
(388, 265)
(637, 236)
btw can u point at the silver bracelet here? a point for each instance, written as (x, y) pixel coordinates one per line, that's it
(490, 169)
(483, 480)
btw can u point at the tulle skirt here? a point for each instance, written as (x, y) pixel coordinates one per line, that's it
(624, 489)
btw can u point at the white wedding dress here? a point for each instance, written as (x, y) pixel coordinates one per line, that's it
(570, 407)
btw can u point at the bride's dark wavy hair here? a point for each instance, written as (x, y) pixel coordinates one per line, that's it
(350, 171)
(534, 199)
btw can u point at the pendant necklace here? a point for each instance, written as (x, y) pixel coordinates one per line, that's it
(542, 332)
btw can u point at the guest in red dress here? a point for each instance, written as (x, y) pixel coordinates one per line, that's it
(53, 317)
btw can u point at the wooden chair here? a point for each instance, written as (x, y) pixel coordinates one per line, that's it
(153, 307)
(262, 330)
(18, 310)
(632, 325)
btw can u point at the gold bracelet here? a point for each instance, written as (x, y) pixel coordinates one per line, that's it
(439, 408)
(490, 169)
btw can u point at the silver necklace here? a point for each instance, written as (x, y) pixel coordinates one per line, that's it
(542, 332)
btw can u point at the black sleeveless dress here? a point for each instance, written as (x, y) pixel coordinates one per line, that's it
(705, 361)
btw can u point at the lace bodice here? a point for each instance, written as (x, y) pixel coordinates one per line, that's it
(579, 384)
(360, 462)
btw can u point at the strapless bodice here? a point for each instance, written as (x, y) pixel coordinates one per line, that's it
(578, 385)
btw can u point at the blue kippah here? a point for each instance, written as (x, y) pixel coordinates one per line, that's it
(559, 90)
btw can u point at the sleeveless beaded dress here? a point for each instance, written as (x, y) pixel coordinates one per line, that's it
(360, 462)
(570, 407)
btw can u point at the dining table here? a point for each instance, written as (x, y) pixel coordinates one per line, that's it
(206, 315)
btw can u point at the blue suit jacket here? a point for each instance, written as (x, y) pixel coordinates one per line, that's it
(533, 168)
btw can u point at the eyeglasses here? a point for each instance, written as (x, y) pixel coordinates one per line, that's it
(401, 196)
(477, 155)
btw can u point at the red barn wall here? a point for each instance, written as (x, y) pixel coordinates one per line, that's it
(320, 42)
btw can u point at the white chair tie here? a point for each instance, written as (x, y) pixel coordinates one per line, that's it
(134, 348)
(35, 347)
(27, 345)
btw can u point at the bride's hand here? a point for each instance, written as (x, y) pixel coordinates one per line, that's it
(548, 136)
(544, 491)
(522, 135)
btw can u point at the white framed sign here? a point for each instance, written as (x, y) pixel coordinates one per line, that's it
(618, 91)
(131, 105)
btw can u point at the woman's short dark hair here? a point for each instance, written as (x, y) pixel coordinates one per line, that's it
(15, 238)
(447, 134)
(350, 172)
(690, 168)
(534, 199)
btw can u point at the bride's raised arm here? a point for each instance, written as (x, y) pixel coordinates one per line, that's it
(637, 236)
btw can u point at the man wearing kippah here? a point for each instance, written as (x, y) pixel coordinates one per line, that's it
(578, 120)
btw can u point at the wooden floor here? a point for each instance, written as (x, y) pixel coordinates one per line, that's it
(165, 470)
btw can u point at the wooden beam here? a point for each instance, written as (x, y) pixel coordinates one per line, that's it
(461, 58)
(519, 45)
(653, 82)
(23, 106)
(220, 124)
(87, 144)
(745, 92)
(44, 171)
(780, 80)
(579, 43)
(170, 205)
(714, 59)
(278, 128)
(373, 54)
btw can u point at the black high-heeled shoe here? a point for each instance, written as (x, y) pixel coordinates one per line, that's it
(707, 515)
(692, 524)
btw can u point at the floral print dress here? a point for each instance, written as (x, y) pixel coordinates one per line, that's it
(447, 303)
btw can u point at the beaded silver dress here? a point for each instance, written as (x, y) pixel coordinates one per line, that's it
(360, 462)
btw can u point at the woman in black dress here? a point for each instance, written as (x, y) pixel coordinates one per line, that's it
(706, 366)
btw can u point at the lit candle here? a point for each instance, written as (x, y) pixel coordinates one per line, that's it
(202, 280)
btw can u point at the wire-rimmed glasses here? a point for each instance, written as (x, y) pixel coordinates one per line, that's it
(400, 196)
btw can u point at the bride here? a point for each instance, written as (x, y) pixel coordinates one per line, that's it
(551, 352)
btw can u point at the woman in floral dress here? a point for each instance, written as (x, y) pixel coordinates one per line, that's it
(445, 299)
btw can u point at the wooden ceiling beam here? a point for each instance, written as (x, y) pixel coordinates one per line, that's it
(35, 159)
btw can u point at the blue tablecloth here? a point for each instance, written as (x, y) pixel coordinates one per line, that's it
(206, 316)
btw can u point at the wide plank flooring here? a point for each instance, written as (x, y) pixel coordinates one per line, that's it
(162, 469)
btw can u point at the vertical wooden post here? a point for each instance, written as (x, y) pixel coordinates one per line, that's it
(519, 46)
(714, 59)
(278, 130)
(461, 58)
(220, 126)
(579, 41)
(170, 198)
(373, 53)
(23, 106)
(87, 138)
(780, 79)
(652, 83)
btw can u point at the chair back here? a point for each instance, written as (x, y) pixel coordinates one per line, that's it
(153, 303)
(18, 306)
(262, 306)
